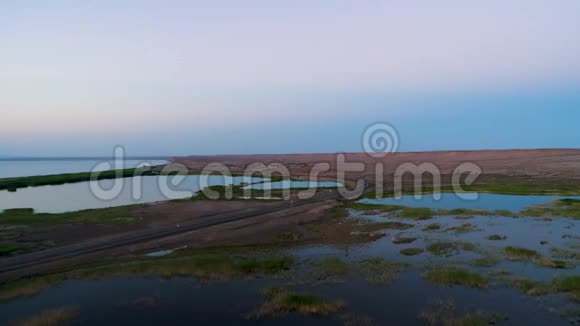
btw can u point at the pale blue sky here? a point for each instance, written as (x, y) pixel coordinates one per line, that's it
(215, 77)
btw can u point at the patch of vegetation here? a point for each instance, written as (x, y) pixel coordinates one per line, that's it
(412, 251)
(113, 215)
(28, 286)
(487, 261)
(496, 237)
(560, 253)
(403, 240)
(9, 248)
(464, 213)
(280, 300)
(52, 317)
(331, 266)
(530, 287)
(238, 192)
(416, 213)
(443, 248)
(463, 228)
(287, 236)
(207, 264)
(445, 314)
(13, 184)
(526, 188)
(455, 276)
(432, 227)
(380, 271)
(520, 254)
(563, 207)
(474, 319)
(123, 220)
(570, 285)
(557, 264)
(570, 312)
(505, 213)
(210, 266)
(338, 212)
(467, 246)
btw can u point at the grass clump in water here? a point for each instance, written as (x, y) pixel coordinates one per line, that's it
(331, 266)
(560, 253)
(563, 207)
(432, 227)
(463, 228)
(520, 254)
(530, 287)
(557, 264)
(443, 249)
(403, 240)
(420, 213)
(379, 271)
(445, 314)
(456, 276)
(412, 251)
(488, 261)
(570, 285)
(270, 265)
(52, 317)
(280, 300)
(467, 246)
(496, 237)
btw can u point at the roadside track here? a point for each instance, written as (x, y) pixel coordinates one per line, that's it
(50, 255)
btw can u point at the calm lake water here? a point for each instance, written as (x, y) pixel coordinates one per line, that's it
(137, 190)
(453, 201)
(12, 169)
(186, 301)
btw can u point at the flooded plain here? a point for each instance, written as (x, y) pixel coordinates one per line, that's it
(477, 245)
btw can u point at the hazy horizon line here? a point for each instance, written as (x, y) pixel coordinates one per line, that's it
(167, 157)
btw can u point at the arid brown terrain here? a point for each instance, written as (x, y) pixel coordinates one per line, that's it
(544, 163)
